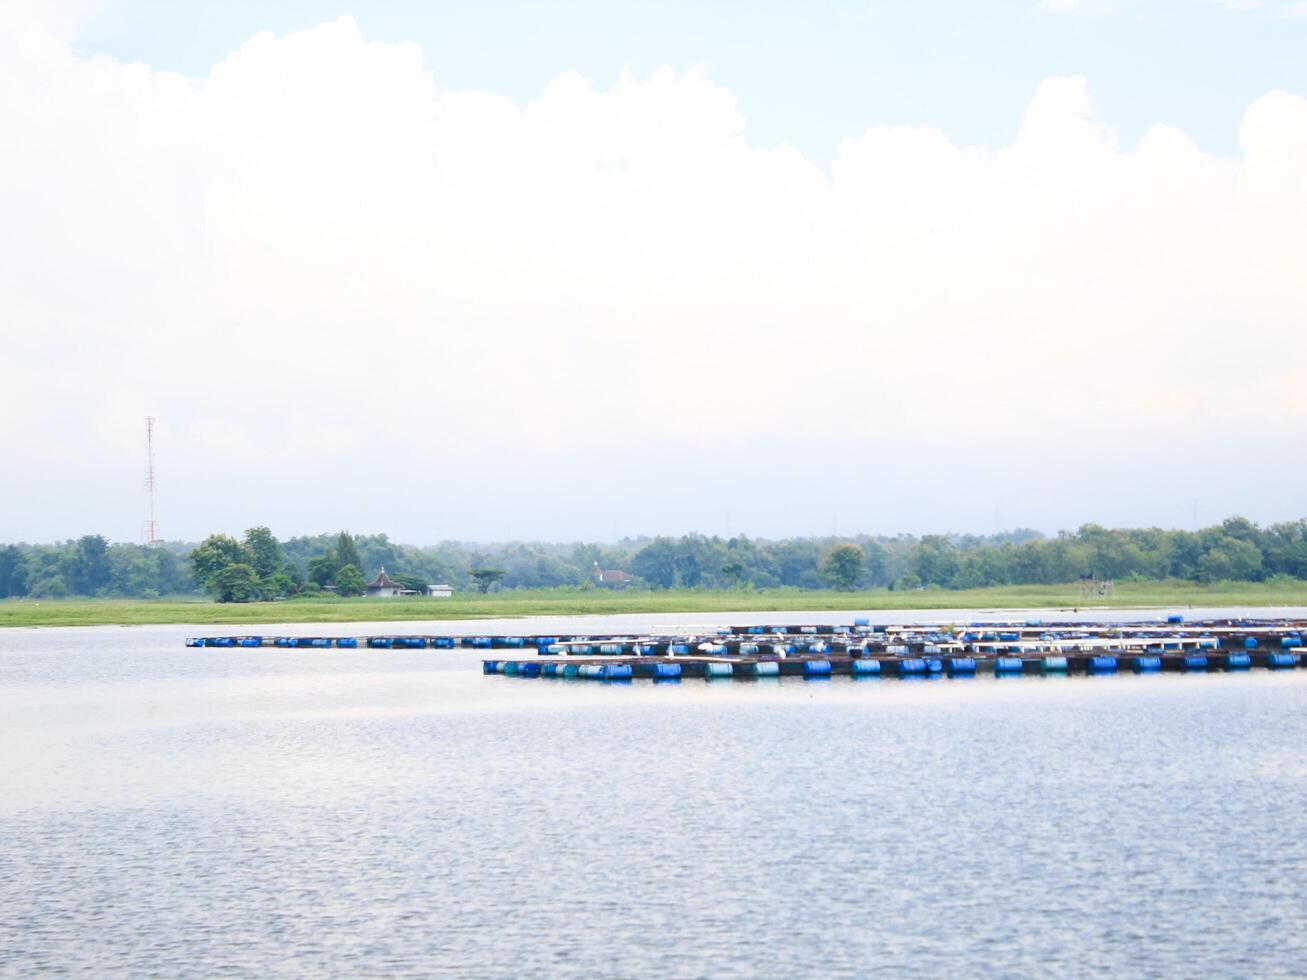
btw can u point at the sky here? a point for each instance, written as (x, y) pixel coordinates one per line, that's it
(587, 270)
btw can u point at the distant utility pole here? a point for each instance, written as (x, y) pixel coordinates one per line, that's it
(151, 532)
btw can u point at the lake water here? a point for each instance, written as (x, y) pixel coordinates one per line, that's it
(166, 812)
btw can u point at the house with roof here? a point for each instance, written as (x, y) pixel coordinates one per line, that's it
(611, 577)
(384, 585)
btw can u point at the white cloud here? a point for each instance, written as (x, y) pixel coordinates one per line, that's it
(314, 250)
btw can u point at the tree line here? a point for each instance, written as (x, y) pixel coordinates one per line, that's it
(259, 566)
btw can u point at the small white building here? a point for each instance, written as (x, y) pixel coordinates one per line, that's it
(384, 585)
(441, 591)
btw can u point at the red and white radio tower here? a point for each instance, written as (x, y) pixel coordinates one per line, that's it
(151, 534)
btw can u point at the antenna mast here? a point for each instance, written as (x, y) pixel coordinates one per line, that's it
(151, 534)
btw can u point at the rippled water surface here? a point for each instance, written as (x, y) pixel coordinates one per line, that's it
(252, 813)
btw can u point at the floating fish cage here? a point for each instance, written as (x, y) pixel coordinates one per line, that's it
(857, 649)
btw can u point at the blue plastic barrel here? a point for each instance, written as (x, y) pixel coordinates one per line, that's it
(755, 630)
(680, 648)
(489, 667)
(1054, 665)
(961, 665)
(482, 642)
(717, 670)
(379, 642)
(864, 668)
(610, 648)
(1277, 661)
(583, 648)
(1147, 665)
(714, 649)
(511, 667)
(250, 641)
(571, 670)
(1195, 661)
(220, 641)
(816, 668)
(766, 668)
(1102, 665)
(529, 669)
(347, 642)
(1238, 661)
(555, 648)
(666, 671)
(861, 621)
(1290, 641)
(644, 649)
(1208, 643)
(912, 666)
(512, 641)
(748, 648)
(1009, 637)
(1250, 643)
(551, 668)
(819, 647)
(1008, 665)
(1175, 618)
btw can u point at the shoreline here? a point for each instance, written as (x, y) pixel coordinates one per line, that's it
(38, 613)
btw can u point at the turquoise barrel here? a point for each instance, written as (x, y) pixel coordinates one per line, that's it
(591, 671)
(1195, 661)
(555, 648)
(610, 648)
(1147, 665)
(347, 642)
(1238, 661)
(864, 668)
(510, 667)
(1053, 665)
(571, 670)
(511, 641)
(766, 668)
(861, 621)
(717, 670)
(1279, 661)
(583, 648)
(1102, 665)
(961, 665)
(665, 672)
(489, 667)
(617, 672)
(1008, 665)
(816, 668)
(912, 667)
(551, 669)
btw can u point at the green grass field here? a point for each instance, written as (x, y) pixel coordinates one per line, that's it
(571, 602)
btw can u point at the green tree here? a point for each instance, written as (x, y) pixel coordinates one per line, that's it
(843, 566)
(349, 581)
(264, 551)
(733, 570)
(90, 567)
(214, 554)
(238, 582)
(13, 572)
(322, 569)
(347, 552)
(407, 580)
(485, 577)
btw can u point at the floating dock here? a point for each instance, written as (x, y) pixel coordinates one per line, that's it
(859, 649)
